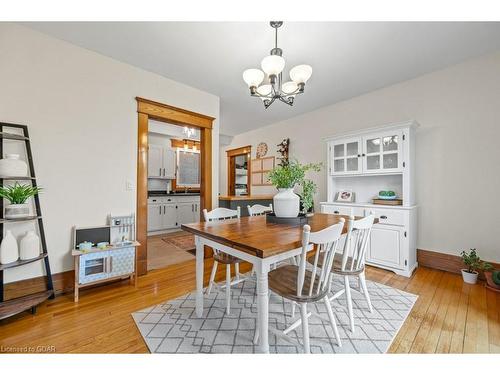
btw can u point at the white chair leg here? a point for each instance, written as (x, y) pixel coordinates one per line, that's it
(228, 288)
(349, 301)
(332, 320)
(212, 277)
(293, 309)
(305, 327)
(237, 271)
(364, 288)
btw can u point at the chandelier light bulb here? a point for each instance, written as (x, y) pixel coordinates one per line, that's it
(289, 87)
(273, 64)
(253, 77)
(264, 90)
(301, 73)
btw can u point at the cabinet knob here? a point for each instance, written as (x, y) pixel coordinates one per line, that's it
(363, 154)
(336, 212)
(359, 155)
(383, 217)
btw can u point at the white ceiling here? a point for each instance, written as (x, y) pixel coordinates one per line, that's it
(348, 59)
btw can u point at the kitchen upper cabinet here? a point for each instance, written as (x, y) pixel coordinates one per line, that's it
(161, 162)
(380, 152)
(346, 156)
(155, 161)
(169, 163)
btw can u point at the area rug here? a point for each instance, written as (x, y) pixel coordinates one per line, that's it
(183, 241)
(172, 327)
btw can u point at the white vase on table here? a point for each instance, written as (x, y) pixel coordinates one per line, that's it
(8, 249)
(30, 246)
(286, 203)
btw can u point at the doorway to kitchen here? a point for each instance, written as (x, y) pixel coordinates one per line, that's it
(174, 181)
(238, 171)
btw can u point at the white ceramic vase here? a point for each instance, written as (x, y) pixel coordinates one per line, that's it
(16, 211)
(469, 277)
(8, 249)
(286, 203)
(29, 247)
(12, 166)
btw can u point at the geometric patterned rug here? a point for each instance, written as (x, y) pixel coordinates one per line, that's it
(173, 327)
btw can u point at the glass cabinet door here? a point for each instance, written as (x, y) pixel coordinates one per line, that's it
(382, 153)
(346, 156)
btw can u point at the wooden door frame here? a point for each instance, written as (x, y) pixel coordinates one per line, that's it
(245, 150)
(146, 110)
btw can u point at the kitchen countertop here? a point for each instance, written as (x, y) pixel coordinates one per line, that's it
(245, 197)
(152, 194)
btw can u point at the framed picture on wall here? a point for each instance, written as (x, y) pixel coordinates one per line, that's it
(345, 196)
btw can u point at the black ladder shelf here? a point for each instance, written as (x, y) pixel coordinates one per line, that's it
(16, 305)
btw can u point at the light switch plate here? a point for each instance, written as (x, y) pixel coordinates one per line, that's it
(129, 185)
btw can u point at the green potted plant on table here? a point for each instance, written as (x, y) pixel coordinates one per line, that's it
(285, 177)
(17, 195)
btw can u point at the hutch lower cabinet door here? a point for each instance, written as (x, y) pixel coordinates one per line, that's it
(385, 246)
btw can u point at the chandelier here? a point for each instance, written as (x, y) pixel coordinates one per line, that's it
(271, 76)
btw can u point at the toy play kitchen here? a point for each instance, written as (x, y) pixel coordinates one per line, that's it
(105, 253)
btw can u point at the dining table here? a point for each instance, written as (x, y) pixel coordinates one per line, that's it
(258, 242)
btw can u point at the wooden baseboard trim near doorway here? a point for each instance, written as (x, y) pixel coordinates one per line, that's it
(444, 262)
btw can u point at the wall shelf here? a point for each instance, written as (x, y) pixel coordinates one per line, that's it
(19, 263)
(15, 306)
(20, 219)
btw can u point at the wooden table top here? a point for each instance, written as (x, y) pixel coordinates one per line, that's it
(255, 236)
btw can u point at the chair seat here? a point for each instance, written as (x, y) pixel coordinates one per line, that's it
(337, 265)
(283, 281)
(226, 258)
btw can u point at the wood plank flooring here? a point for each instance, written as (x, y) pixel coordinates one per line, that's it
(448, 317)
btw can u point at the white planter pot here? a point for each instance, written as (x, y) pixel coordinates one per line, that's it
(13, 167)
(16, 211)
(469, 278)
(29, 247)
(286, 203)
(8, 249)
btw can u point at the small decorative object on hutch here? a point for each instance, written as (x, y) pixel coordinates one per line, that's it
(286, 203)
(21, 193)
(30, 246)
(114, 256)
(261, 150)
(12, 166)
(17, 195)
(345, 196)
(8, 249)
(366, 162)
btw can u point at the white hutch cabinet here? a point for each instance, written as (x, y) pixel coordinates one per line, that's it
(366, 162)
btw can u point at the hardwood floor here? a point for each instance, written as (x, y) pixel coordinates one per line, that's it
(162, 254)
(448, 317)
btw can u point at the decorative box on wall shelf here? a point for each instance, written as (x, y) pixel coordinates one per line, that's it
(260, 169)
(388, 202)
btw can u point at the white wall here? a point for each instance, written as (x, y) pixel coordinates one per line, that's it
(81, 111)
(458, 148)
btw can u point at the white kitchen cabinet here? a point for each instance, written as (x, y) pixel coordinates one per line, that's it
(169, 212)
(155, 161)
(161, 162)
(169, 216)
(169, 163)
(185, 213)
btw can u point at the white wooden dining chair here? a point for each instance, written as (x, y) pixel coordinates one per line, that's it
(351, 263)
(220, 214)
(302, 286)
(259, 210)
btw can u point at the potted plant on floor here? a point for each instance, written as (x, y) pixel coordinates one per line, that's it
(285, 177)
(17, 195)
(492, 277)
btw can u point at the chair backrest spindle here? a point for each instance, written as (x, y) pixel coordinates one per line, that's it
(358, 235)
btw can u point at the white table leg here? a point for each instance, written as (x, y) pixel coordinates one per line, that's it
(263, 306)
(199, 276)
